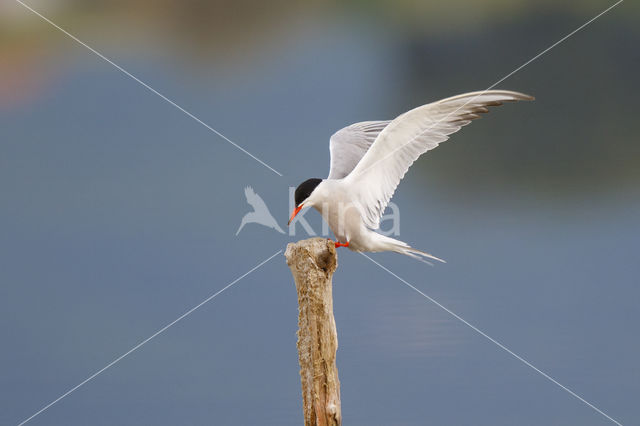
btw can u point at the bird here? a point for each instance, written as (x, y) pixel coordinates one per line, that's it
(368, 160)
(260, 213)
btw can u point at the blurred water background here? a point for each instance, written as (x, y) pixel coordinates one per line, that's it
(119, 212)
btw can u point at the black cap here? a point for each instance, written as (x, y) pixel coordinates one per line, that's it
(305, 189)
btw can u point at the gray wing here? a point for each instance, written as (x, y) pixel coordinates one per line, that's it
(347, 146)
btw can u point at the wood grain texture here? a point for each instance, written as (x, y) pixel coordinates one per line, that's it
(312, 263)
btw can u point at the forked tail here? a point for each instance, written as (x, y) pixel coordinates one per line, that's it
(404, 248)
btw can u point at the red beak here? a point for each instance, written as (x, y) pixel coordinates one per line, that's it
(295, 212)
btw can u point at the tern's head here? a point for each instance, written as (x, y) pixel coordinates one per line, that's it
(302, 194)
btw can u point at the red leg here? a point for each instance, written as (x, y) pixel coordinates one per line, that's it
(339, 244)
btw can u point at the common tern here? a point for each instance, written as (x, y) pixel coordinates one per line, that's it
(368, 160)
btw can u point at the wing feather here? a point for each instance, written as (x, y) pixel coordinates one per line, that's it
(413, 133)
(347, 146)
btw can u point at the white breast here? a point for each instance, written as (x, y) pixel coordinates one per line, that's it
(334, 202)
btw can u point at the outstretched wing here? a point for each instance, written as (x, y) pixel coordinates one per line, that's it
(415, 132)
(255, 200)
(347, 146)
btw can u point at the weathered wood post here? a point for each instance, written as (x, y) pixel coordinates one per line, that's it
(312, 264)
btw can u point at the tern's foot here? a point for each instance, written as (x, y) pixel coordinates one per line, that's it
(339, 244)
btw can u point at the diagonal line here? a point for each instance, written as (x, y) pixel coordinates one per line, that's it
(151, 89)
(494, 85)
(554, 44)
(189, 312)
(500, 345)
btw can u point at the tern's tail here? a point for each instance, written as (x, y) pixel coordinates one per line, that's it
(404, 248)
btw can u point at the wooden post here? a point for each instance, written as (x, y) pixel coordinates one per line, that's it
(312, 264)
